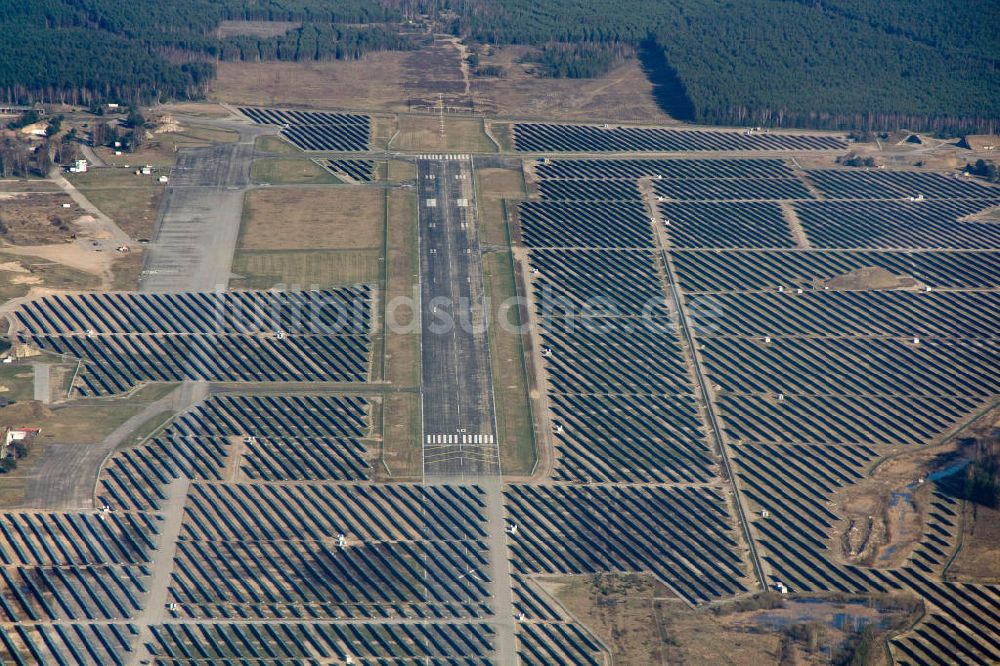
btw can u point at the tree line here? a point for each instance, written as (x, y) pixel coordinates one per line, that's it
(924, 65)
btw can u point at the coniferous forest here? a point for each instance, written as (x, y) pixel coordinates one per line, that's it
(866, 64)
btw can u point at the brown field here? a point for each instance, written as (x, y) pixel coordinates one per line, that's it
(372, 83)
(510, 389)
(37, 218)
(895, 528)
(398, 82)
(978, 559)
(307, 269)
(423, 133)
(126, 270)
(275, 144)
(400, 171)
(39, 186)
(401, 418)
(284, 171)
(493, 186)
(401, 447)
(323, 218)
(619, 609)
(402, 348)
(77, 258)
(642, 623)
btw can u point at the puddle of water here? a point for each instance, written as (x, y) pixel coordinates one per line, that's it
(947, 471)
(895, 498)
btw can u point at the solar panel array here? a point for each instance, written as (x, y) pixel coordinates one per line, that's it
(796, 343)
(126, 339)
(317, 130)
(544, 137)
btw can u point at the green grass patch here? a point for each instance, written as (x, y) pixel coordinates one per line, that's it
(147, 428)
(287, 171)
(17, 382)
(275, 144)
(510, 390)
(400, 171)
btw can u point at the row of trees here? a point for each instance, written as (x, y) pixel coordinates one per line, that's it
(817, 63)
(979, 482)
(578, 61)
(312, 11)
(20, 160)
(311, 41)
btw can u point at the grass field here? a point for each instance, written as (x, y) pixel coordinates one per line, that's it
(402, 448)
(284, 171)
(400, 171)
(322, 218)
(978, 560)
(510, 390)
(16, 382)
(383, 129)
(304, 268)
(161, 149)
(275, 144)
(401, 417)
(504, 134)
(131, 201)
(423, 132)
(492, 187)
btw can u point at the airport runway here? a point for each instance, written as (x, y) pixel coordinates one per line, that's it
(459, 431)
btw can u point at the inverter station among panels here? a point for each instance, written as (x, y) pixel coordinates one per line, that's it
(794, 345)
(317, 130)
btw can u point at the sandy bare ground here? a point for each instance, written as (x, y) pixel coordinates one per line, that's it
(74, 255)
(105, 223)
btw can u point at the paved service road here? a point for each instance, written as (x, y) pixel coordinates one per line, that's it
(200, 222)
(459, 427)
(64, 479)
